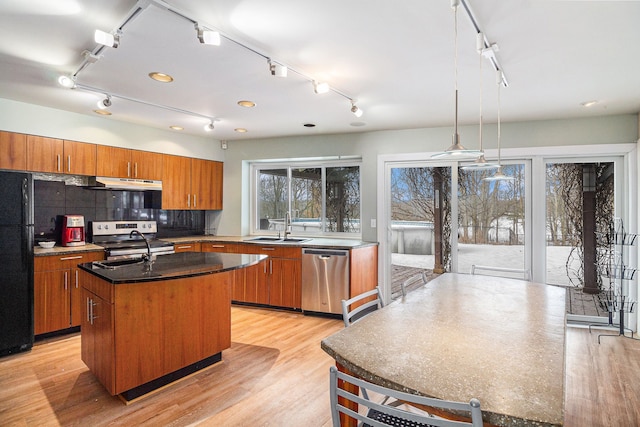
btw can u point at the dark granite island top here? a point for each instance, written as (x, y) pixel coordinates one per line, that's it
(168, 267)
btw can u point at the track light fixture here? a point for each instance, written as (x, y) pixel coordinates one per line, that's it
(208, 36)
(208, 127)
(320, 87)
(276, 69)
(105, 103)
(499, 175)
(66, 81)
(355, 110)
(106, 39)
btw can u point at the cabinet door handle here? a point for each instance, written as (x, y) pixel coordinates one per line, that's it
(188, 200)
(194, 200)
(136, 169)
(217, 246)
(184, 247)
(76, 279)
(270, 266)
(65, 280)
(69, 163)
(88, 310)
(67, 258)
(58, 162)
(268, 249)
(128, 169)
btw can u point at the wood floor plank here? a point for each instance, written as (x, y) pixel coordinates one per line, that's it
(275, 374)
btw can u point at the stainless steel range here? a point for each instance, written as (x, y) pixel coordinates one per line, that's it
(129, 239)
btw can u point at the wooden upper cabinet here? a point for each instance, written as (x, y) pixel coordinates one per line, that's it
(113, 161)
(79, 158)
(126, 163)
(206, 184)
(146, 165)
(176, 182)
(58, 156)
(45, 154)
(191, 183)
(13, 151)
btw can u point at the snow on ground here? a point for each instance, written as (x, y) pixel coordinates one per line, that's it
(496, 256)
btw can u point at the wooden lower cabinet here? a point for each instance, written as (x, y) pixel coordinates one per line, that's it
(57, 291)
(277, 281)
(133, 333)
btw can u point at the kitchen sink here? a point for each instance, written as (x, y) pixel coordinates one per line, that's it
(265, 239)
(111, 265)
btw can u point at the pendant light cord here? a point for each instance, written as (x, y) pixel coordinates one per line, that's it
(499, 84)
(454, 4)
(480, 123)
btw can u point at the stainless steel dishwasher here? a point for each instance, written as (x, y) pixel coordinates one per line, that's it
(325, 279)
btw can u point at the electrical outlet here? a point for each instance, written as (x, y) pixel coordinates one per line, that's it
(373, 223)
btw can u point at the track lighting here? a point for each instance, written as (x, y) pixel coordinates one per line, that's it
(66, 81)
(355, 110)
(208, 127)
(90, 57)
(320, 87)
(106, 39)
(105, 103)
(208, 36)
(277, 70)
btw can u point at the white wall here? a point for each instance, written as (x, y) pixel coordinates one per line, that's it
(235, 217)
(36, 120)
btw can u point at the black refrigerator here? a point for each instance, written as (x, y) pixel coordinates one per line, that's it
(16, 262)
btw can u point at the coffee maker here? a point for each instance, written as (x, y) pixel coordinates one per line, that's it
(72, 230)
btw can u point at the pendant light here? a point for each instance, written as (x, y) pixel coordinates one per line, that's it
(498, 175)
(480, 163)
(456, 149)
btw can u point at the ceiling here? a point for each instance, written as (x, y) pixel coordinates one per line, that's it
(396, 63)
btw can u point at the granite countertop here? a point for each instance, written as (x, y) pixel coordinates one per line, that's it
(62, 250)
(327, 243)
(311, 242)
(460, 337)
(174, 266)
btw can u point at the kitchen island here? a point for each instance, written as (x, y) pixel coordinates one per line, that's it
(146, 325)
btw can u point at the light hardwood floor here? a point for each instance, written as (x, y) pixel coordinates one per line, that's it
(275, 374)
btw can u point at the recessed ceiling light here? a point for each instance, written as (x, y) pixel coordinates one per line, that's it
(248, 104)
(176, 127)
(161, 77)
(240, 130)
(102, 112)
(309, 125)
(589, 103)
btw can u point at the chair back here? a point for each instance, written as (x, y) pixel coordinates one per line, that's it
(416, 280)
(382, 415)
(351, 315)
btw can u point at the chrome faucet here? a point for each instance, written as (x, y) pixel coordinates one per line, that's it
(287, 224)
(147, 257)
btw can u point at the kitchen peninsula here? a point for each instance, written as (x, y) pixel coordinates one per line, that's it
(147, 324)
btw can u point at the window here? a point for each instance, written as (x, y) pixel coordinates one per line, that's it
(321, 199)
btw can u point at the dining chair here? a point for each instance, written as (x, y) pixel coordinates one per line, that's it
(351, 314)
(383, 415)
(417, 279)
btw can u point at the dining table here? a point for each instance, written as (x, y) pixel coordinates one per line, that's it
(462, 336)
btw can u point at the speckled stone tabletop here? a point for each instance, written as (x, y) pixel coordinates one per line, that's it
(460, 336)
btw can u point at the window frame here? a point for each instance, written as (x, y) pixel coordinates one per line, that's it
(258, 166)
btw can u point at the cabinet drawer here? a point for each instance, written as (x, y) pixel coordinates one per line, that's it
(273, 250)
(230, 248)
(187, 247)
(60, 262)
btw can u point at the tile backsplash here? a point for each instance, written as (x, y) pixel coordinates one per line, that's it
(52, 199)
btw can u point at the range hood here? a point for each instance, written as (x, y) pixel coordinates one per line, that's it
(129, 184)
